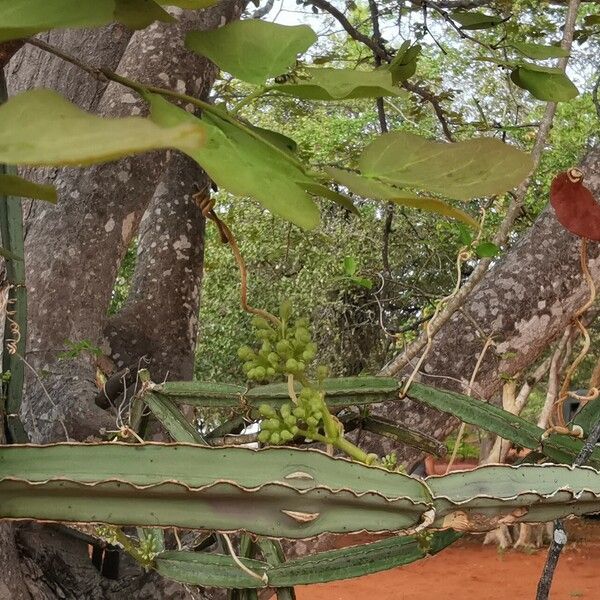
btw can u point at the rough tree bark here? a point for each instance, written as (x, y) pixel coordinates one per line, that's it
(523, 303)
(73, 252)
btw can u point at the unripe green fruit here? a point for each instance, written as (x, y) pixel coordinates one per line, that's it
(273, 359)
(301, 366)
(312, 422)
(286, 410)
(294, 429)
(290, 420)
(275, 438)
(260, 373)
(307, 356)
(266, 410)
(286, 435)
(291, 365)
(270, 371)
(271, 424)
(299, 412)
(283, 347)
(264, 436)
(245, 352)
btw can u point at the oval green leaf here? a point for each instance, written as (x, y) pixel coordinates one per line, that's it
(548, 85)
(464, 170)
(372, 188)
(340, 84)
(41, 128)
(253, 50)
(475, 20)
(246, 164)
(539, 51)
(24, 18)
(13, 185)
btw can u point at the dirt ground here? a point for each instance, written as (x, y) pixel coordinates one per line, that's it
(467, 569)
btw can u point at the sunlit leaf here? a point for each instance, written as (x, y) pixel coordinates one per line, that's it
(544, 83)
(404, 64)
(539, 51)
(24, 18)
(464, 170)
(253, 50)
(13, 185)
(40, 127)
(487, 250)
(372, 188)
(323, 191)
(246, 165)
(475, 20)
(138, 14)
(277, 139)
(340, 84)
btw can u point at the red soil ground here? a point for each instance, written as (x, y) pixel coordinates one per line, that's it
(469, 570)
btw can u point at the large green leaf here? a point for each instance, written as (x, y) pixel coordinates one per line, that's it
(339, 84)
(24, 18)
(13, 185)
(373, 188)
(40, 127)
(475, 20)
(245, 164)
(544, 83)
(464, 170)
(253, 50)
(539, 51)
(214, 570)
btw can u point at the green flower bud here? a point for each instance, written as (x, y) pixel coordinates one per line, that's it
(264, 436)
(270, 371)
(260, 373)
(271, 424)
(286, 435)
(273, 359)
(312, 422)
(290, 420)
(275, 438)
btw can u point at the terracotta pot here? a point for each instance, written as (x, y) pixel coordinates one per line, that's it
(435, 466)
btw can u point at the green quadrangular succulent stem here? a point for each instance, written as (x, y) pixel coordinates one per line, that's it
(15, 330)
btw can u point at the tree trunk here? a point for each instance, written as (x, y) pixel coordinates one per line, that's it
(73, 253)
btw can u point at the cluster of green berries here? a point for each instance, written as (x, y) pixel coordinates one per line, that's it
(285, 349)
(149, 547)
(305, 418)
